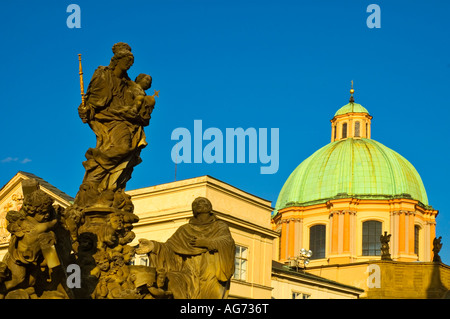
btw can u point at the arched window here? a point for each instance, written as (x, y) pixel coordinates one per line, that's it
(416, 239)
(371, 245)
(317, 241)
(344, 130)
(357, 129)
(334, 129)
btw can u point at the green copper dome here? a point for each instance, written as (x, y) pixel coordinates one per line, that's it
(360, 168)
(351, 108)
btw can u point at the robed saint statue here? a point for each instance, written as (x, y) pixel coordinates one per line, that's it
(198, 259)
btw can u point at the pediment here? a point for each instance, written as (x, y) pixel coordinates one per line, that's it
(11, 198)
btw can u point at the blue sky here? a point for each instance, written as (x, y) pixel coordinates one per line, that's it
(261, 64)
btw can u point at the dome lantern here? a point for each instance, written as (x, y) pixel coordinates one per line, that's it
(351, 121)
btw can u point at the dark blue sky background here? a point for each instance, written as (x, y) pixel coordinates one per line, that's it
(262, 64)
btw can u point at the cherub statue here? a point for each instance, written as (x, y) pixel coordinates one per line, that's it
(108, 234)
(143, 103)
(32, 240)
(127, 235)
(123, 203)
(101, 272)
(73, 217)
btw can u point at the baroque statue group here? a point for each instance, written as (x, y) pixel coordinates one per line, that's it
(86, 250)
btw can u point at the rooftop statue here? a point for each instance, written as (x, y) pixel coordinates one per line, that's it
(437, 246)
(385, 239)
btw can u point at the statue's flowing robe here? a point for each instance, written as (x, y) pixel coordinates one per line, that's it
(193, 272)
(119, 138)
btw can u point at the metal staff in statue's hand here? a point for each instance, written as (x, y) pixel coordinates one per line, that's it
(82, 109)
